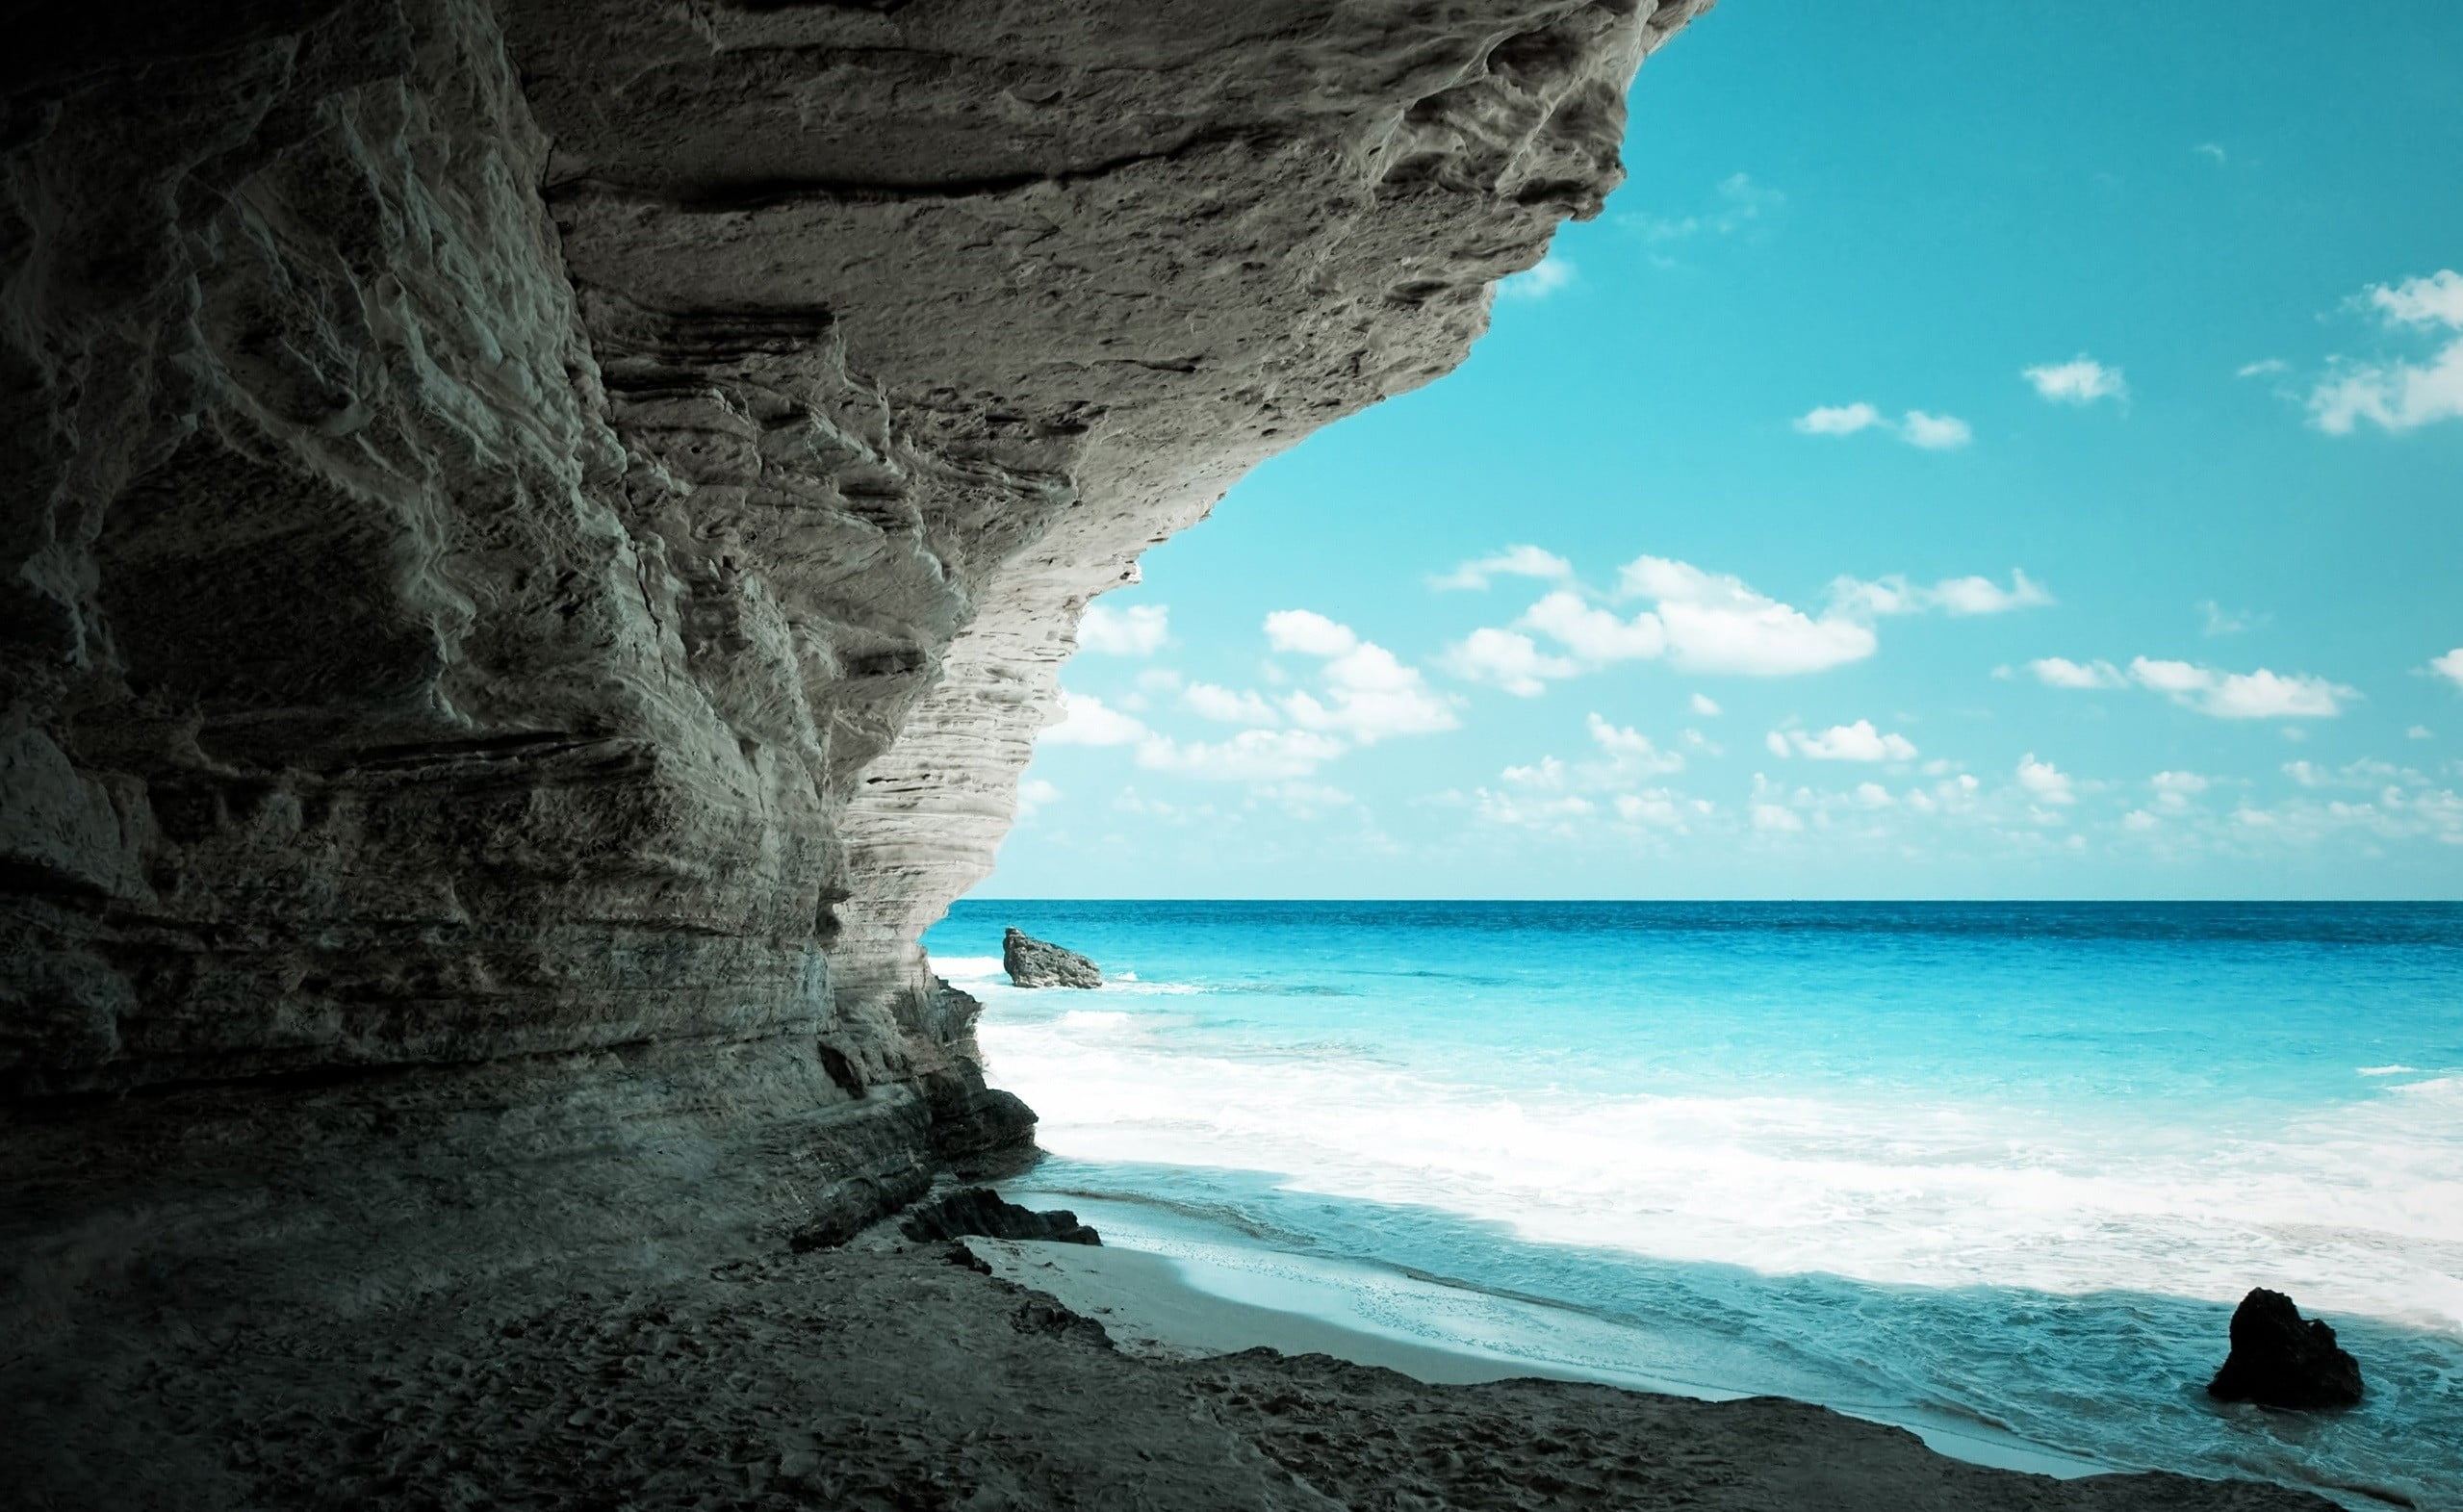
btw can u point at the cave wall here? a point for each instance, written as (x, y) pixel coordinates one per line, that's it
(543, 532)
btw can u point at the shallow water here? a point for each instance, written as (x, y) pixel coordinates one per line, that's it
(2001, 1164)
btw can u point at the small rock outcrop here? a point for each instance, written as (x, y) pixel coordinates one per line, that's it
(2280, 1359)
(982, 1211)
(1033, 962)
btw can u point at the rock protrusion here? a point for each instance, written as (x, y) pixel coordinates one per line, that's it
(2280, 1359)
(982, 1212)
(1033, 962)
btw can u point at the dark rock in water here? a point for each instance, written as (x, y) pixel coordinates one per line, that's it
(2280, 1359)
(1032, 963)
(980, 1211)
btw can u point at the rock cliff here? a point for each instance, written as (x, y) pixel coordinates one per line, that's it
(538, 536)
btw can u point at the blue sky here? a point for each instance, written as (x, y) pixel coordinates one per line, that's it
(1981, 451)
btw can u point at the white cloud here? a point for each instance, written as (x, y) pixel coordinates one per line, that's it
(1514, 562)
(1085, 720)
(1137, 632)
(1595, 634)
(1035, 793)
(1714, 623)
(2394, 396)
(1228, 706)
(2238, 695)
(1253, 755)
(1630, 752)
(1983, 596)
(2047, 783)
(1547, 772)
(2448, 666)
(2060, 672)
(2399, 394)
(1773, 819)
(2419, 732)
(1935, 432)
(1308, 633)
(1956, 596)
(1838, 419)
(1857, 742)
(2220, 621)
(2264, 368)
(1546, 277)
(1545, 813)
(1370, 695)
(1701, 621)
(2434, 300)
(1506, 659)
(1932, 432)
(2174, 790)
(1703, 704)
(2081, 380)
(2211, 151)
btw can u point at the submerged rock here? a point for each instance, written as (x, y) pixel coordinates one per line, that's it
(2280, 1359)
(982, 1211)
(1032, 963)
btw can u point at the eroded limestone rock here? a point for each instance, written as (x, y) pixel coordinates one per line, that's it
(1033, 962)
(538, 535)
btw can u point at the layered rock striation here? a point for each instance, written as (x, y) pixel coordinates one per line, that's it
(538, 537)
(1033, 962)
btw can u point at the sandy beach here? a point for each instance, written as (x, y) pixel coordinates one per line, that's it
(886, 1375)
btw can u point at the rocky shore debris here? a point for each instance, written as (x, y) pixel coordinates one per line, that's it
(2280, 1359)
(980, 1212)
(1033, 962)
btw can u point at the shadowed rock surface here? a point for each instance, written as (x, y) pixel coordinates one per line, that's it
(1032, 963)
(2279, 1359)
(981, 1212)
(539, 535)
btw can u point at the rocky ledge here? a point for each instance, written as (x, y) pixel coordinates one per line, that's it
(538, 540)
(538, 536)
(539, 532)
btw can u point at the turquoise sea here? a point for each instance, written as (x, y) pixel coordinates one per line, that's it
(1993, 1171)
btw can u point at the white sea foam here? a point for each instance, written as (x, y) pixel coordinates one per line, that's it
(2390, 1071)
(2356, 1209)
(964, 969)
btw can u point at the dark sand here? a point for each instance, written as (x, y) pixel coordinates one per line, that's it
(893, 1378)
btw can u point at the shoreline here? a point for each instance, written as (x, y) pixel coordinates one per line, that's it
(1182, 1307)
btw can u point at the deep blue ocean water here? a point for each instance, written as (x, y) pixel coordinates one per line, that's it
(2005, 1166)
